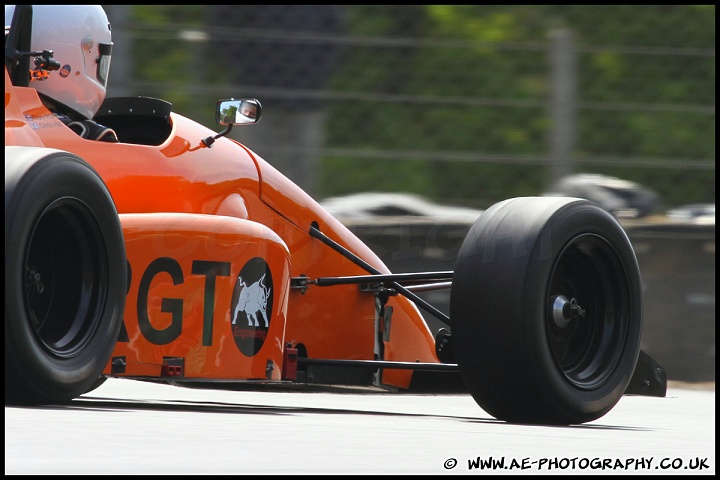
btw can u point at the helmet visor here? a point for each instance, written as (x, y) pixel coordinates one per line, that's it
(103, 61)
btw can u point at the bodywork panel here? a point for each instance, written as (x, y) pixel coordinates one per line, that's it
(186, 207)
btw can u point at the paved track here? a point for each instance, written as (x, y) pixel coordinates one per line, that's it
(128, 427)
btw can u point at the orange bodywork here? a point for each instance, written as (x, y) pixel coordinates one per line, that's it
(206, 227)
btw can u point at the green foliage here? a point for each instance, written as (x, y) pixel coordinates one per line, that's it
(163, 15)
(451, 100)
(614, 71)
(343, 175)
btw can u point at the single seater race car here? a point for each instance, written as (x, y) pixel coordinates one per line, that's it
(179, 255)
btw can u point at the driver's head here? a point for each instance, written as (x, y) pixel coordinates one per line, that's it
(79, 36)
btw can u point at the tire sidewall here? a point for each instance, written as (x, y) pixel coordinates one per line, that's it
(40, 374)
(497, 305)
(574, 220)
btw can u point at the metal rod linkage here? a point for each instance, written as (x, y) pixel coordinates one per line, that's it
(428, 367)
(316, 233)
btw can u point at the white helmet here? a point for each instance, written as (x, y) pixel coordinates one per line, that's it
(79, 36)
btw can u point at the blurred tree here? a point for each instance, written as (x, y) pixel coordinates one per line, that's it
(285, 55)
(450, 101)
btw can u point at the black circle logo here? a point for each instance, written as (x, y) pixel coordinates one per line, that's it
(252, 306)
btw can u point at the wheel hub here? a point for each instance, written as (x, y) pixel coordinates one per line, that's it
(564, 311)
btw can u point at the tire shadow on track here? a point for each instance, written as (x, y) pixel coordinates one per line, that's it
(88, 403)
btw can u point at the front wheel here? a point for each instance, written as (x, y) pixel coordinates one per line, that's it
(546, 309)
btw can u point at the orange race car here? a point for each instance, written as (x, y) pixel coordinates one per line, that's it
(178, 255)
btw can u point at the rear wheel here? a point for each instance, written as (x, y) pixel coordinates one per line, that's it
(64, 276)
(547, 311)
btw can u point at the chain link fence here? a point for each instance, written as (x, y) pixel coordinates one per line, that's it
(464, 104)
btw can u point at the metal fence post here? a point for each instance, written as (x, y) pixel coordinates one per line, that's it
(563, 104)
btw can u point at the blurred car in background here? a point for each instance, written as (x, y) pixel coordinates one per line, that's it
(368, 205)
(622, 198)
(694, 213)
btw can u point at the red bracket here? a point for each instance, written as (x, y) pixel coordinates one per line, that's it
(289, 368)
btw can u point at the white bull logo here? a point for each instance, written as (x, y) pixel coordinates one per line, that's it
(251, 300)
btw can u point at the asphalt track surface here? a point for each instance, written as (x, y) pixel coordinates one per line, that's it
(130, 427)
